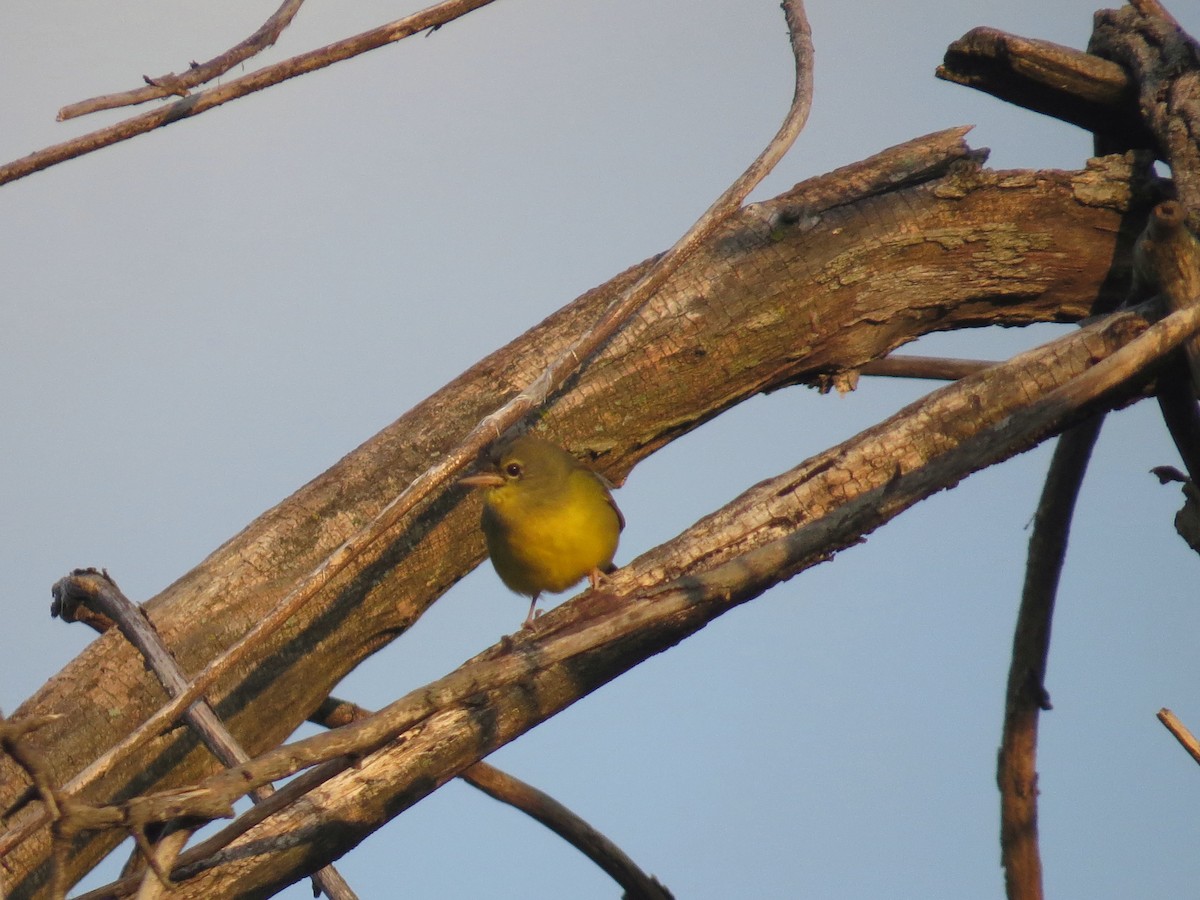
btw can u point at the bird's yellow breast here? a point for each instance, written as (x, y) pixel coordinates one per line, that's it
(547, 540)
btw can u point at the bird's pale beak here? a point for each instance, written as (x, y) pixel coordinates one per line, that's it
(484, 479)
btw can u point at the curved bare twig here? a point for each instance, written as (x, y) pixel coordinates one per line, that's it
(197, 73)
(98, 592)
(536, 804)
(1026, 694)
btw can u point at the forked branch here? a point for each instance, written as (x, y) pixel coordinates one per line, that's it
(197, 73)
(98, 593)
(265, 77)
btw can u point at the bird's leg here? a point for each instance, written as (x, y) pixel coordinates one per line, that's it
(532, 611)
(596, 578)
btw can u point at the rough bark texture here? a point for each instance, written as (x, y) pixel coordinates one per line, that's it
(1068, 84)
(818, 281)
(775, 529)
(1164, 64)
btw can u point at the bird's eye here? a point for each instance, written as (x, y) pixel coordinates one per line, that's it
(513, 470)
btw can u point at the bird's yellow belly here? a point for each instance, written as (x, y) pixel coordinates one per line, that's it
(554, 548)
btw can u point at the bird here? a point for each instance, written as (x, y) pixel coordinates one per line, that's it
(549, 521)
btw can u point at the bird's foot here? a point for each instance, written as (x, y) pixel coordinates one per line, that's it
(534, 612)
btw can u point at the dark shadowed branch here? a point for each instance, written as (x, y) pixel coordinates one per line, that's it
(536, 804)
(1067, 84)
(1164, 64)
(933, 368)
(1026, 695)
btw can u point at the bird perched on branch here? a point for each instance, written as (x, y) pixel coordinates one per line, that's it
(548, 519)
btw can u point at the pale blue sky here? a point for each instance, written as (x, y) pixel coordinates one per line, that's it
(196, 322)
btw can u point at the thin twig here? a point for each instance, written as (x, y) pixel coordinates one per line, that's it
(239, 87)
(1177, 728)
(1026, 695)
(198, 858)
(98, 592)
(724, 206)
(197, 73)
(638, 885)
(492, 426)
(545, 809)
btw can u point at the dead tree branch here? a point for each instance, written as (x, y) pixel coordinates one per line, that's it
(1061, 227)
(536, 804)
(655, 602)
(265, 77)
(196, 74)
(1071, 85)
(1186, 739)
(1026, 695)
(1166, 261)
(933, 368)
(1164, 64)
(99, 593)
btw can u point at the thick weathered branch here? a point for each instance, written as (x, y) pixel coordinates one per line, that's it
(1071, 85)
(197, 73)
(1166, 261)
(160, 860)
(765, 536)
(812, 283)
(1164, 64)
